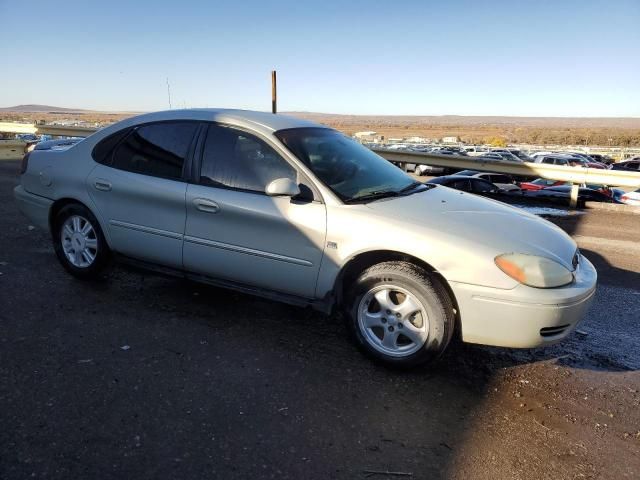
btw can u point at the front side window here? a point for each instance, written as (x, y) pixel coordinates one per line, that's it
(158, 149)
(350, 170)
(235, 159)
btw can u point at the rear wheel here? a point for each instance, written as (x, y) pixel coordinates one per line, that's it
(400, 315)
(79, 243)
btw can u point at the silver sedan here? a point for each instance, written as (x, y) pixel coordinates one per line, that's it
(294, 211)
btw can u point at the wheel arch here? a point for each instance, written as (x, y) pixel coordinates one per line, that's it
(364, 260)
(60, 203)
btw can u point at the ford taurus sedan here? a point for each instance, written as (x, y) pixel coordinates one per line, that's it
(291, 210)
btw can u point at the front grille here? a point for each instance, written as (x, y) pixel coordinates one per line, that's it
(553, 331)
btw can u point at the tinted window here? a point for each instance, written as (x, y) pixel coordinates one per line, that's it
(499, 179)
(460, 185)
(159, 149)
(480, 186)
(236, 159)
(103, 150)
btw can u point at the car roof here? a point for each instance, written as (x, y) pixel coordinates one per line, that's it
(262, 121)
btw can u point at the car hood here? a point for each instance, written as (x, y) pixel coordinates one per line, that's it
(497, 227)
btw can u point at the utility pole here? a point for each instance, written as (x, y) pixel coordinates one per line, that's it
(169, 92)
(274, 93)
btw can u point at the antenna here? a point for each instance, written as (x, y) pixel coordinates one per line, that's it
(169, 92)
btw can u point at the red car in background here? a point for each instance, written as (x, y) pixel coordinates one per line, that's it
(540, 183)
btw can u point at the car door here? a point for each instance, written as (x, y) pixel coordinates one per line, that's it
(236, 232)
(139, 190)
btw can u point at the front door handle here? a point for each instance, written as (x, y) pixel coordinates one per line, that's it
(102, 185)
(207, 206)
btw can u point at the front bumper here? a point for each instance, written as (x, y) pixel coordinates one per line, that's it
(524, 317)
(35, 207)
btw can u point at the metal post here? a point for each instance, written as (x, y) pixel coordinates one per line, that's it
(574, 195)
(274, 93)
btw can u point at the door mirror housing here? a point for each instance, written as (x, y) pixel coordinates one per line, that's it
(283, 187)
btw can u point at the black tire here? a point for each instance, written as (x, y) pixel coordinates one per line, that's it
(103, 254)
(428, 291)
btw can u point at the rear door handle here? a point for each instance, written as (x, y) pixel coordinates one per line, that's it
(102, 185)
(207, 206)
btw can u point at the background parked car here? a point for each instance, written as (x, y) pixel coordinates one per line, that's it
(500, 156)
(562, 194)
(631, 198)
(515, 152)
(604, 159)
(586, 160)
(468, 184)
(502, 181)
(428, 170)
(632, 165)
(540, 183)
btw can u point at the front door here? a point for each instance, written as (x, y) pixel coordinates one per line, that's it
(234, 231)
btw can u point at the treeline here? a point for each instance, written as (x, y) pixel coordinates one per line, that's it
(568, 136)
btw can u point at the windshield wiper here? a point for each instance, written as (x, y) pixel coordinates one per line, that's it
(411, 186)
(373, 196)
(389, 193)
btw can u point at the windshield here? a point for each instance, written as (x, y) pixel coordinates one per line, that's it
(350, 170)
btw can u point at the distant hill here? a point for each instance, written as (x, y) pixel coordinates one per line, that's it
(41, 109)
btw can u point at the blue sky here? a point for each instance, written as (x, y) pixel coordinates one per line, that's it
(533, 58)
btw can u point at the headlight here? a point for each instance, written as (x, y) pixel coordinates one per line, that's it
(539, 272)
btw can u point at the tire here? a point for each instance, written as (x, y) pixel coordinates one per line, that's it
(418, 331)
(79, 242)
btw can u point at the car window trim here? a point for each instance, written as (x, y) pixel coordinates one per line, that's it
(303, 178)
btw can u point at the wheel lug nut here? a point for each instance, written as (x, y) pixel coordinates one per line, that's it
(398, 315)
(388, 312)
(384, 320)
(391, 329)
(400, 325)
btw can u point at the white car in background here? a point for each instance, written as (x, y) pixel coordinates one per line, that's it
(631, 198)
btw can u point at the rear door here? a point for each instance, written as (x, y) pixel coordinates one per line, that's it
(235, 232)
(140, 191)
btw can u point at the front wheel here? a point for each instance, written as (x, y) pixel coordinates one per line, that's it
(400, 315)
(79, 243)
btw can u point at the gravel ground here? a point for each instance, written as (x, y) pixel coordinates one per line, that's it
(141, 376)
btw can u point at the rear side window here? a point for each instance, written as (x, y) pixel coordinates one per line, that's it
(103, 150)
(235, 159)
(461, 185)
(157, 150)
(480, 186)
(499, 179)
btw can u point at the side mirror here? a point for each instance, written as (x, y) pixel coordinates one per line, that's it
(283, 187)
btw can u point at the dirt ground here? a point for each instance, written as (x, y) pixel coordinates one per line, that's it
(142, 376)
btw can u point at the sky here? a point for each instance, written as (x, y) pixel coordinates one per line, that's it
(455, 57)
